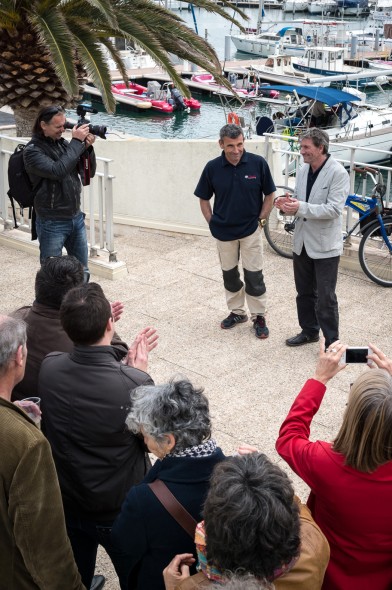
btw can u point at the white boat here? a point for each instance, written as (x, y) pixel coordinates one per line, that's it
(347, 120)
(288, 40)
(322, 6)
(383, 11)
(261, 44)
(295, 6)
(329, 61)
(278, 69)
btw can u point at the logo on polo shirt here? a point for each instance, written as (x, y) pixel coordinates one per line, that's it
(250, 177)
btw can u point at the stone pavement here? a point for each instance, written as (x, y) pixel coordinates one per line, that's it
(174, 283)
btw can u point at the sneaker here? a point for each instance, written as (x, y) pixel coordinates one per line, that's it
(260, 327)
(232, 320)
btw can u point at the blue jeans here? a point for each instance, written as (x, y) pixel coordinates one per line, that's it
(54, 234)
(85, 536)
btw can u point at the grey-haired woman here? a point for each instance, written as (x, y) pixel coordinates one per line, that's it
(175, 423)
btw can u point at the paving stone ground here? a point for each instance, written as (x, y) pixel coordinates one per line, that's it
(174, 283)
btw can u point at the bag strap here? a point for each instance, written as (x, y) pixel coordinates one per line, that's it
(174, 507)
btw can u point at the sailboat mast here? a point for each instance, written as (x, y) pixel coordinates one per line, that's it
(260, 15)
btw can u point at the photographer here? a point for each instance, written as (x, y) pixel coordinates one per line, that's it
(350, 478)
(56, 168)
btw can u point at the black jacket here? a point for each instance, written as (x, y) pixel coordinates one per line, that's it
(45, 334)
(53, 167)
(85, 399)
(147, 532)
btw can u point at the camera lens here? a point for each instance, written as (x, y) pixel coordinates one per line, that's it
(99, 130)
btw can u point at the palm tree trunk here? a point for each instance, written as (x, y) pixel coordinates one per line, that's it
(24, 120)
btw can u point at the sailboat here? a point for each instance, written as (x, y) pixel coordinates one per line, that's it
(262, 43)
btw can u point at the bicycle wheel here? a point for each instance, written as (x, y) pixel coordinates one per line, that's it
(374, 255)
(279, 229)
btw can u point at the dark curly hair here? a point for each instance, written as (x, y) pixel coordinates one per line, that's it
(251, 517)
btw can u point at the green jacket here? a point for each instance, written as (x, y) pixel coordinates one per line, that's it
(35, 551)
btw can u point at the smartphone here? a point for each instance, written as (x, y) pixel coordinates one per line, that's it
(357, 354)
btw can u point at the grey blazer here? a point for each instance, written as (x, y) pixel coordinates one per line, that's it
(319, 223)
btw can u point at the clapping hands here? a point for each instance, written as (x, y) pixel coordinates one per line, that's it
(140, 348)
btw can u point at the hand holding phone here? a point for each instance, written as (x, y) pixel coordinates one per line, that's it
(357, 354)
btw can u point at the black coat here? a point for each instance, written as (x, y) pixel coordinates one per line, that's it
(85, 400)
(45, 334)
(53, 167)
(147, 532)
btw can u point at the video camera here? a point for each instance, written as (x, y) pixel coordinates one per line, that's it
(81, 110)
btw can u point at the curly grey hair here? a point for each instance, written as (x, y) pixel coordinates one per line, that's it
(175, 408)
(12, 335)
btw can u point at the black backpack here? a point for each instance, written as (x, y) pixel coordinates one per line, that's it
(20, 187)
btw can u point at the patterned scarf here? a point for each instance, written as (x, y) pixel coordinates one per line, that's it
(205, 449)
(212, 572)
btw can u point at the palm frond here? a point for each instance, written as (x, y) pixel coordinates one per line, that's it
(114, 54)
(90, 53)
(102, 8)
(53, 33)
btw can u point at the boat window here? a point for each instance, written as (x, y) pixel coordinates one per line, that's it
(319, 55)
(312, 55)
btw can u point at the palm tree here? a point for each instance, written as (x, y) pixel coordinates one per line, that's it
(49, 47)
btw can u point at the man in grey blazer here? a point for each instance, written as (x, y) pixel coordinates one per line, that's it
(321, 189)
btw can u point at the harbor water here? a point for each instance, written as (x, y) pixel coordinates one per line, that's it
(213, 112)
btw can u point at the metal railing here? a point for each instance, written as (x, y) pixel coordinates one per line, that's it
(97, 202)
(291, 161)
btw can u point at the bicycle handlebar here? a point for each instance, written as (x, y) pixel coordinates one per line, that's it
(366, 169)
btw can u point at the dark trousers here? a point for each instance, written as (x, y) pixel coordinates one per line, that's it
(85, 536)
(317, 305)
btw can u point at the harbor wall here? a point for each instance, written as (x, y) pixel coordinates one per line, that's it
(155, 179)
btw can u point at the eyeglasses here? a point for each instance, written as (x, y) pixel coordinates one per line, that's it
(50, 112)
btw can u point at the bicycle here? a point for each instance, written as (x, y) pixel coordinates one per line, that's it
(375, 230)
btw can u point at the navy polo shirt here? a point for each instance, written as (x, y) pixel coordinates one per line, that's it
(238, 194)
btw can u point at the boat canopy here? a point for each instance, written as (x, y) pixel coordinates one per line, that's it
(283, 31)
(329, 96)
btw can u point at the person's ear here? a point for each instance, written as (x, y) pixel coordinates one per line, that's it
(170, 443)
(20, 355)
(110, 324)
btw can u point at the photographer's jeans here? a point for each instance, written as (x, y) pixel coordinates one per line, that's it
(71, 234)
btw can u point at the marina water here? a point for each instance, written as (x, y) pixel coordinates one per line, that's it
(207, 122)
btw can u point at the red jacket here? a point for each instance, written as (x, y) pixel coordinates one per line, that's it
(353, 509)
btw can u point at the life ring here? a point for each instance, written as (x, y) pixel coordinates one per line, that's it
(233, 118)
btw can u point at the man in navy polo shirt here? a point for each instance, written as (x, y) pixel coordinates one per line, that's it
(238, 180)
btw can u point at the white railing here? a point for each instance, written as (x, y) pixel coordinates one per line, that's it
(291, 161)
(97, 202)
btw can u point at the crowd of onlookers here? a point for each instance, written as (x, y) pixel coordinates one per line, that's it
(195, 518)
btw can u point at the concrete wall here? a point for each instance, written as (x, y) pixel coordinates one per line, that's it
(155, 180)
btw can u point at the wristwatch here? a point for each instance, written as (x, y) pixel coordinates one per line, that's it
(262, 222)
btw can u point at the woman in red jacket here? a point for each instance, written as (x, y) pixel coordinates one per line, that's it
(351, 478)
